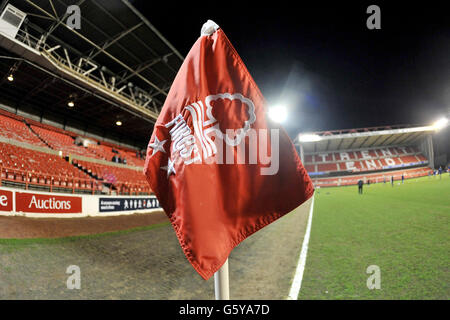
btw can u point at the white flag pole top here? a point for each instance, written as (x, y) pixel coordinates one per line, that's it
(208, 28)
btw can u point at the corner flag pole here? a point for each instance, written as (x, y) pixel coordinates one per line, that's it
(221, 283)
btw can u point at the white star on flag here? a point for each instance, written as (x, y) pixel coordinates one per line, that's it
(169, 168)
(157, 145)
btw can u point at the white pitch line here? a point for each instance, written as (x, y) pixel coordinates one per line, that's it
(297, 283)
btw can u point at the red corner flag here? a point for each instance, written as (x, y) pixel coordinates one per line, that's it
(219, 168)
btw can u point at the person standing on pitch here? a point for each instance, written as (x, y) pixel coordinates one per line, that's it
(403, 178)
(360, 186)
(392, 180)
(440, 172)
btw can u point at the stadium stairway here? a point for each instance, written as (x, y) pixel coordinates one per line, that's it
(65, 158)
(92, 175)
(39, 137)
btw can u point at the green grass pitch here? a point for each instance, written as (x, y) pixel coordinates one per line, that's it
(404, 230)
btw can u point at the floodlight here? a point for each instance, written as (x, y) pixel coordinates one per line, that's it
(11, 77)
(278, 113)
(440, 124)
(308, 137)
(71, 104)
(119, 123)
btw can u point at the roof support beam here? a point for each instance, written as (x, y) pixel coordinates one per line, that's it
(140, 40)
(167, 43)
(351, 144)
(103, 51)
(391, 139)
(328, 145)
(139, 69)
(409, 138)
(364, 141)
(376, 140)
(109, 43)
(57, 20)
(53, 8)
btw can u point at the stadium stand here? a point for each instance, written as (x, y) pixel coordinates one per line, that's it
(28, 168)
(24, 167)
(62, 142)
(124, 180)
(55, 96)
(342, 157)
(107, 152)
(364, 160)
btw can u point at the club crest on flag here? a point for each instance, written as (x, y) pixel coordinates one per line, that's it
(200, 141)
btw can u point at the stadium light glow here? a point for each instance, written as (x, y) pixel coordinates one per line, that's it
(71, 104)
(308, 137)
(278, 113)
(440, 124)
(118, 123)
(10, 77)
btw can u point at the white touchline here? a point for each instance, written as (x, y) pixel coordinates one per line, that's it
(297, 283)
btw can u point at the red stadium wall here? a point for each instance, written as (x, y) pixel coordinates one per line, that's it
(37, 204)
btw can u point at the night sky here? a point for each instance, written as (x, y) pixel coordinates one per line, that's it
(322, 61)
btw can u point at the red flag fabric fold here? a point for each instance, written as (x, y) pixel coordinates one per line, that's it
(220, 169)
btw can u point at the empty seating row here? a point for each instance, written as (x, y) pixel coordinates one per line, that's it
(18, 130)
(62, 142)
(33, 167)
(107, 153)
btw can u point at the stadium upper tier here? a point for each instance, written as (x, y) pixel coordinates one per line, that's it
(33, 132)
(374, 159)
(62, 142)
(17, 130)
(108, 152)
